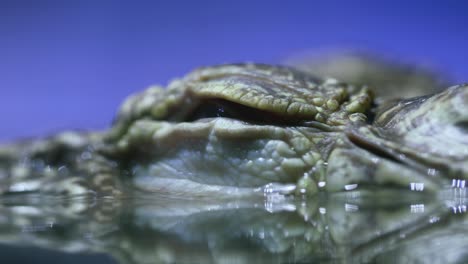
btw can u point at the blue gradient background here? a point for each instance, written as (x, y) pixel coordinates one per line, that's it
(69, 64)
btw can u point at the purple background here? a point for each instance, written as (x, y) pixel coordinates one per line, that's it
(69, 64)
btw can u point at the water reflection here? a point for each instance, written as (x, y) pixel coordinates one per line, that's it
(353, 227)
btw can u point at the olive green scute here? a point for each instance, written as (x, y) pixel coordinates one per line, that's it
(280, 90)
(279, 74)
(154, 103)
(283, 91)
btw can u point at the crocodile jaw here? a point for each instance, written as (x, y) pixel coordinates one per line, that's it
(226, 156)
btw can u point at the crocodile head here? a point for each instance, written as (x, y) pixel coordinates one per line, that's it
(247, 128)
(236, 128)
(251, 128)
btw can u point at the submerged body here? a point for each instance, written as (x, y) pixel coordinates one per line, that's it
(238, 130)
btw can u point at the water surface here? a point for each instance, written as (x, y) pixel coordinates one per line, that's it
(354, 227)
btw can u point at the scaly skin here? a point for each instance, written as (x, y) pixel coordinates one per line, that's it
(269, 130)
(238, 130)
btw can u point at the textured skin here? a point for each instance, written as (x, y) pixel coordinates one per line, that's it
(65, 164)
(285, 132)
(242, 136)
(286, 92)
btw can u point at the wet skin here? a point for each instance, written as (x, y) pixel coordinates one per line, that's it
(248, 129)
(256, 164)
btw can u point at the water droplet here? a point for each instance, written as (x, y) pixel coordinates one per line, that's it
(351, 208)
(431, 172)
(323, 210)
(350, 187)
(417, 208)
(417, 186)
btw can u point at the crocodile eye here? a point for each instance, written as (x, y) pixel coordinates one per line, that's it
(213, 108)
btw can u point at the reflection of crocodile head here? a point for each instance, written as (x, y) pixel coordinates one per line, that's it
(161, 230)
(249, 128)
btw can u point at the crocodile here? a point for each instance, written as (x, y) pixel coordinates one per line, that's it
(248, 129)
(252, 163)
